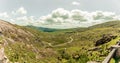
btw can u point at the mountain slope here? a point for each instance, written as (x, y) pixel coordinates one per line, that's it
(11, 31)
(22, 44)
(29, 45)
(107, 24)
(83, 45)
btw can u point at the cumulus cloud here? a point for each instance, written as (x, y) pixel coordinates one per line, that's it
(103, 15)
(20, 11)
(24, 20)
(75, 3)
(60, 18)
(4, 15)
(76, 18)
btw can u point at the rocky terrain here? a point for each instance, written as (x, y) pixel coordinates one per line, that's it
(9, 33)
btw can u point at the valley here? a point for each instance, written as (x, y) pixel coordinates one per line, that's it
(27, 44)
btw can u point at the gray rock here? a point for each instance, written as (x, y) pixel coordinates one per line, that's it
(3, 58)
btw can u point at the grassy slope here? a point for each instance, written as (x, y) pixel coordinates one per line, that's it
(85, 40)
(40, 50)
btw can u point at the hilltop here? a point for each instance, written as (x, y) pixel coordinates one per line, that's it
(114, 24)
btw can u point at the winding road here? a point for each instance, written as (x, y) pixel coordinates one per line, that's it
(71, 40)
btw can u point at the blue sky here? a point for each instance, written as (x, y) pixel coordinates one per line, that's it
(41, 13)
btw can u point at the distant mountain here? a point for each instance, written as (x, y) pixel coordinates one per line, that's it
(102, 25)
(43, 29)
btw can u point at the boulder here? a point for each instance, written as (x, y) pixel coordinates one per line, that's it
(105, 38)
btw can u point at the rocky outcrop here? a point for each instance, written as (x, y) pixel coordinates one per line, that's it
(105, 38)
(10, 33)
(3, 57)
(14, 32)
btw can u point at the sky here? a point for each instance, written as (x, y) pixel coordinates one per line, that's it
(59, 13)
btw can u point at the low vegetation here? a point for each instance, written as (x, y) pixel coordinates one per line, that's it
(41, 47)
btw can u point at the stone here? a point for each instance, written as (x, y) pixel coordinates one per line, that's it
(105, 38)
(3, 57)
(92, 62)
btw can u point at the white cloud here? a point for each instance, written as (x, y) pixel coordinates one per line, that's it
(75, 3)
(4, 15)
(60, 18)
(60, 12)
(24, 20)
(75, 18)
(103, 15)
(20, 11)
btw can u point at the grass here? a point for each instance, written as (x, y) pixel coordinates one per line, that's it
(37, 49)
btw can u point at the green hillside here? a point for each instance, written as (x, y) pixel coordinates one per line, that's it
(30, 45)
(107, 24)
